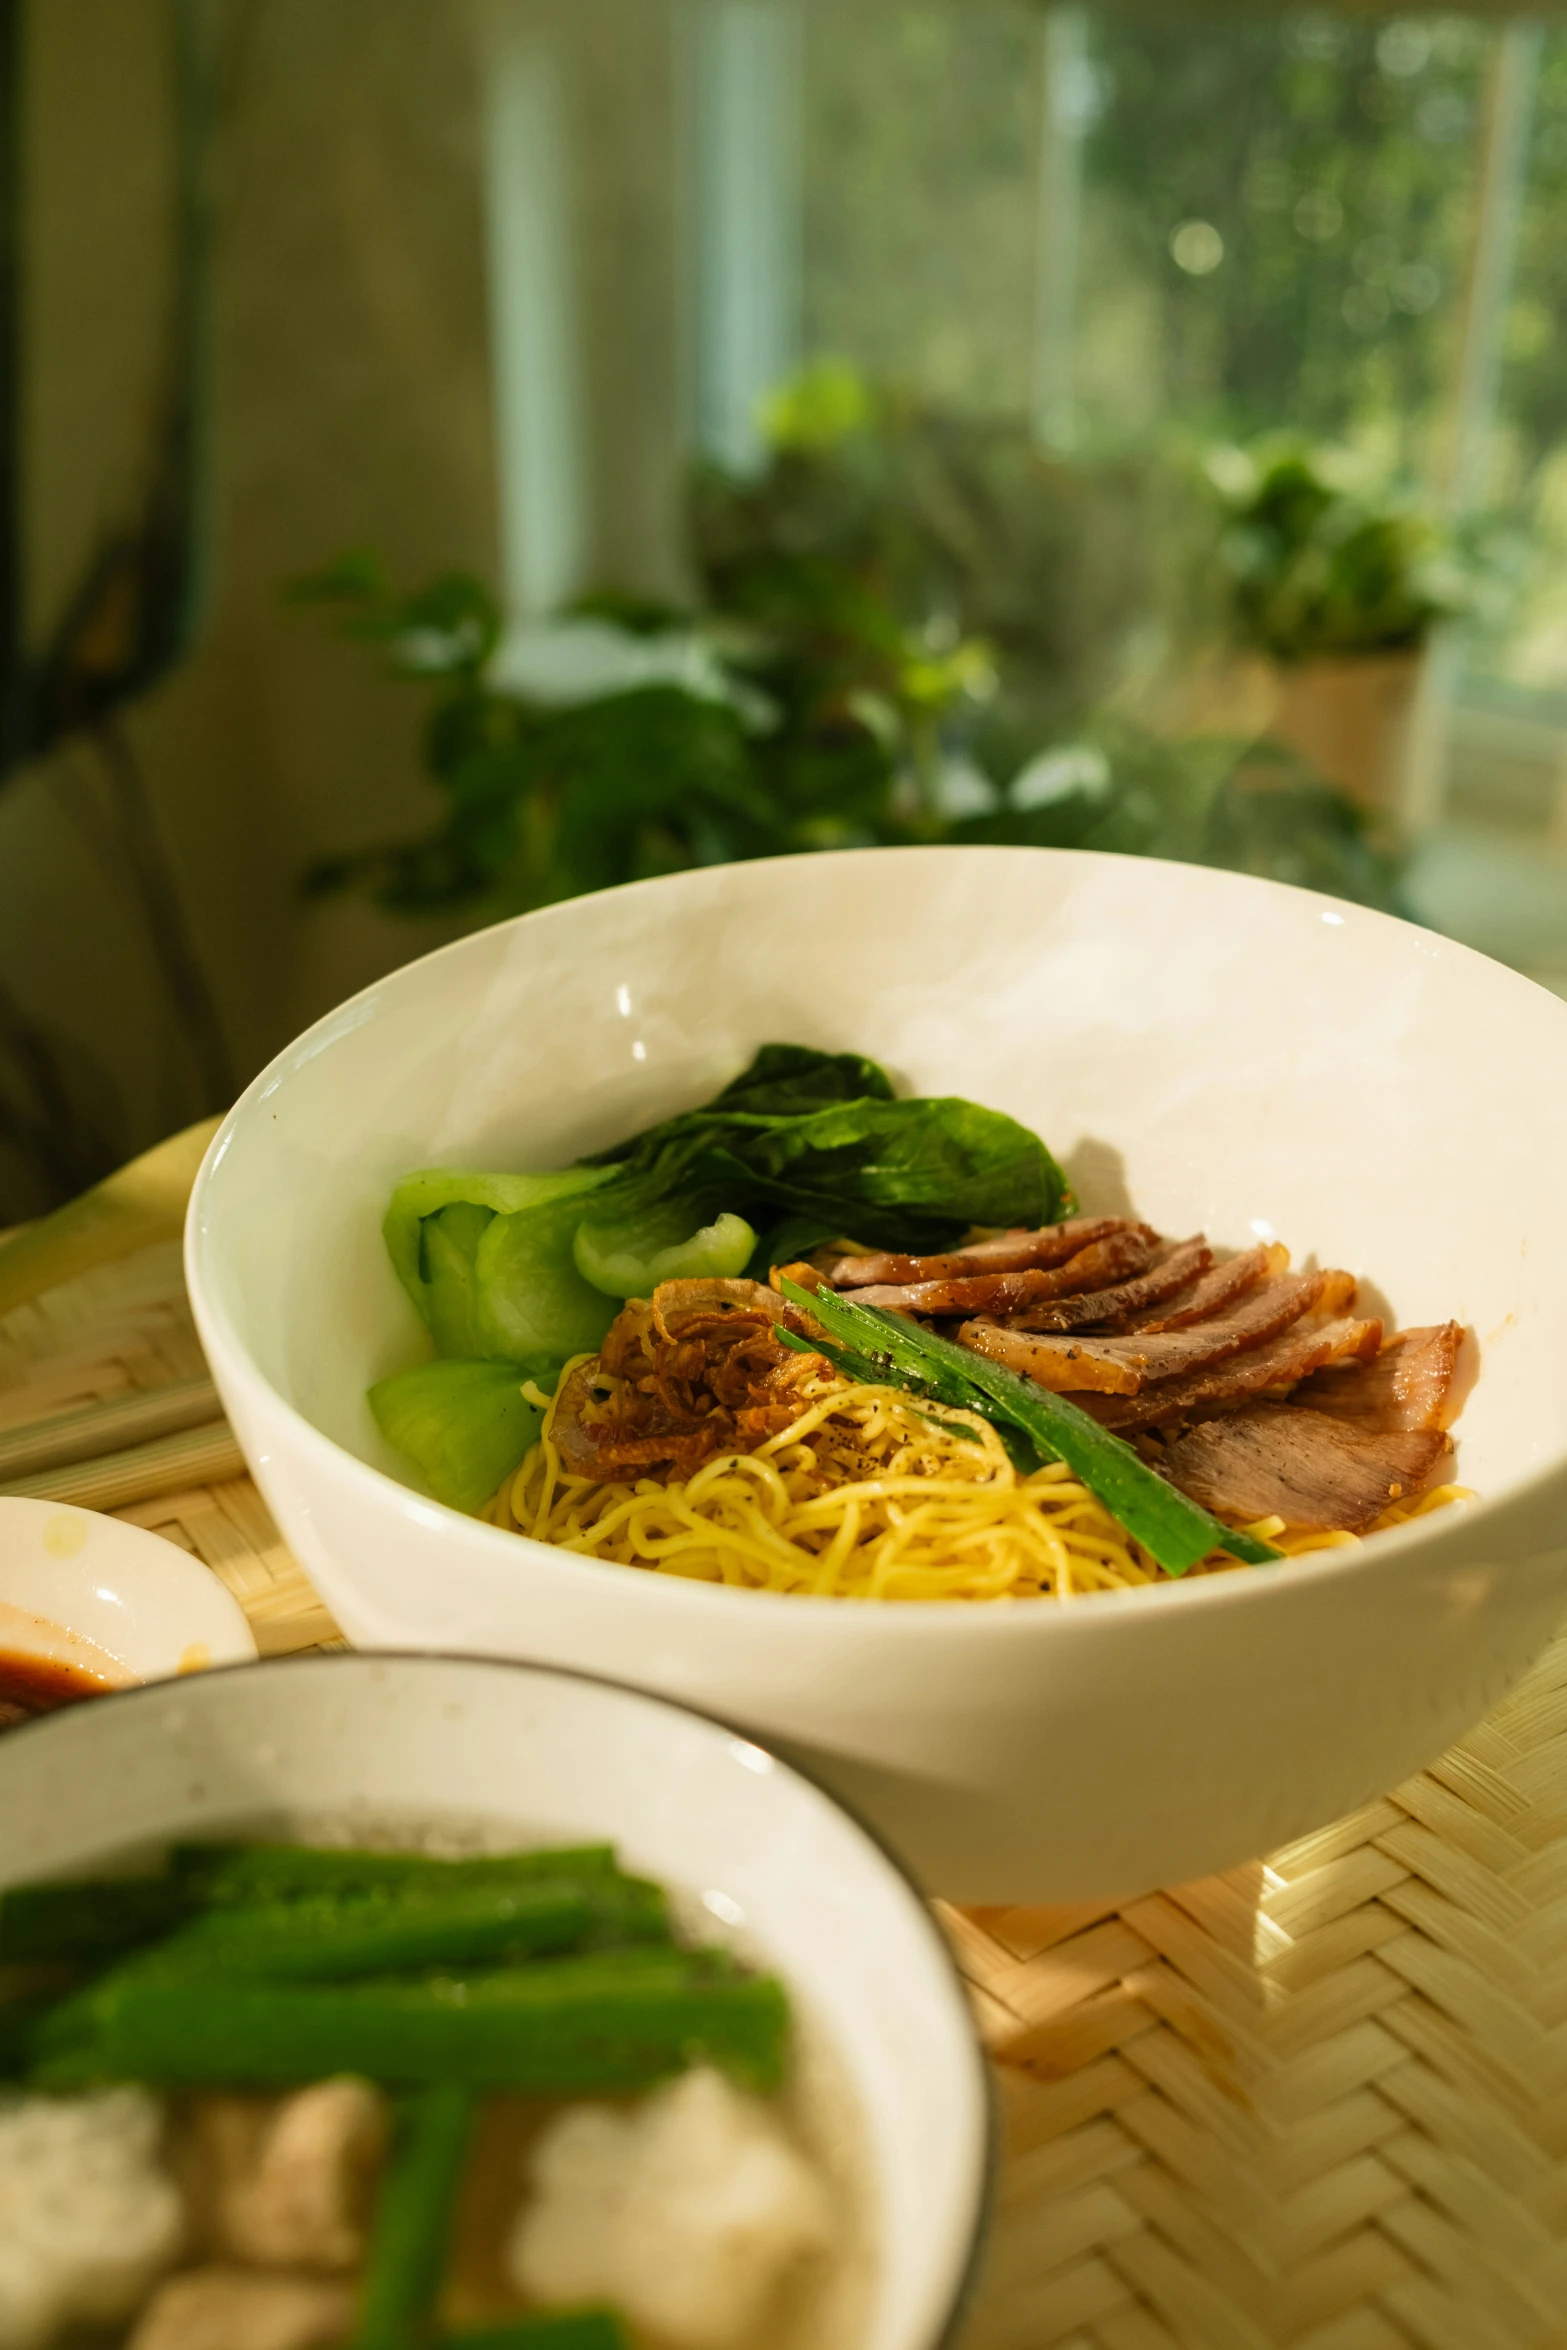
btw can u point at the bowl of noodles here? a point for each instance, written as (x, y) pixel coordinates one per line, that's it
(1074, 1349)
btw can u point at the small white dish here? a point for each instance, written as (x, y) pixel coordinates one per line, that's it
(89, 1592)
(1226, 1054)
(514, 1754)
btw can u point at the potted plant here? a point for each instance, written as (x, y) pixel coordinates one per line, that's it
(1334, 585)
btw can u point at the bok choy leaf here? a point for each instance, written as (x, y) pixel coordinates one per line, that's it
(782, 1080)
(801, 1146)
(786, 1138)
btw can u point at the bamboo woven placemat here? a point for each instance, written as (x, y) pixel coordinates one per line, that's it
(1320, 2102)
(88, 1373)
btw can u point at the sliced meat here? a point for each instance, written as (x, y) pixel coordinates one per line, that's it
(1218, 1289)
(1067, 1366)
(1410, 1385)
(1118, 1253)
(1124, 1366)
(1271, 1460)
(304, 2200)
(1008, 1252)
(1095, 1308)
(1279, 1364)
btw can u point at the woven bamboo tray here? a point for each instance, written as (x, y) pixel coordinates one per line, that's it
(1320, 2102)
(105, 1401)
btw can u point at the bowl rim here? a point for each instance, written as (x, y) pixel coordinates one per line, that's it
(1226, 1588)
(983, 2186)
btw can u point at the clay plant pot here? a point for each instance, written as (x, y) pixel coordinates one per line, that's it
(1350, 719)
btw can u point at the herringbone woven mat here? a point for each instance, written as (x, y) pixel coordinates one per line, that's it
(126, 1330)
(1321, 2102)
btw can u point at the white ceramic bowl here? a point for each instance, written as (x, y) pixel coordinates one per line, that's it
(1228, 1054)
(88, 1591)
(510, 1754)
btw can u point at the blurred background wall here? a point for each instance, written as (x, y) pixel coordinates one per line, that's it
(474, 287)
(346, 391)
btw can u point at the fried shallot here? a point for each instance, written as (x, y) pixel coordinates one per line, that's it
(694, 1371)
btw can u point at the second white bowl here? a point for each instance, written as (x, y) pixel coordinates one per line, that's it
(508, 1755)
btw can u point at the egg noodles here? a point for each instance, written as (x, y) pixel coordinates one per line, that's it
(864, 1495)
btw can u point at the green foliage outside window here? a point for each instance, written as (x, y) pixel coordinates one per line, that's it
(1333, 159)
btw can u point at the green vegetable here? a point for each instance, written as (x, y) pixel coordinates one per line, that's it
(22, 2021)
(780, 1081)
(572, 2329)
(413, 2220)
(101, 1918)
(602, 2024)
(448, 1253)
(89, 1919)
(631, 1259)
(327, 1938)
(518, 1269)
(532, 1299)
(487, 1261)
(465, 1426)
(248, 1873)
(790, 1238)
(1173, 1528)
(786, 1138)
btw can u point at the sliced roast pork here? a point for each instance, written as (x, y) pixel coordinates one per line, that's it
(1278, 1364)
(1126, 1250)
(1126, 1365)
(1006, 1252)
(1273, 1460)
(1218, 1289)
(1091, 1309)
(1410, 1385)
